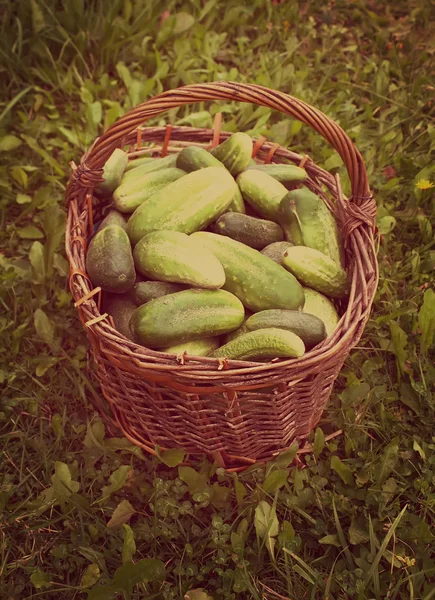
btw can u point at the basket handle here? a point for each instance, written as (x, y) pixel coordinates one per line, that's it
(240, 92)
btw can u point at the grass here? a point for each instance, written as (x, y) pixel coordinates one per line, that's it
(85, 514)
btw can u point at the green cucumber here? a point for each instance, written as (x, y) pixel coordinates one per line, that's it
(316, 270)
(235, 153)
(134, 192)
(109, 261)
(186, 205)
(175, 257)
(259, 282)
(121, 309)
(144, 291)
(112, 172)
(309, 222)
(262, 192)
(281, 172)
(146, 164)
(237, 204)
(262, 344)
(309, 328)
(256, 233)
(113, 217)
(185, 316)
(317, 304)
(201, 347)
(193, 158)
(276, 250)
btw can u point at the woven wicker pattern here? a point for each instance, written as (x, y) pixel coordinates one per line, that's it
(237, 411)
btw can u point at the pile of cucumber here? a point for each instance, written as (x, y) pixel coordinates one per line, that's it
(211, 254)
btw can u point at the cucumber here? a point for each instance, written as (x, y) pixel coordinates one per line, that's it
(134, 192)
(109, 261)
(316, 270)
(262, 344)
(237, 204)
(144, 291)
(309, 328)
(112, 172)
(193, 158)
(262, 192)
(276, 250)
(281, 172)
(175, 257)
(201, 347)
(304, 213)
(121, 308)
(235, 153)
(186, 205)
(113, 217)
(186, 316)
(317, 304)
(146, 164)
(259, 282)
(256, 233)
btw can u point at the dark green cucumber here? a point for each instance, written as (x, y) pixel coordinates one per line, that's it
(309, 328)
(185, 316)
(201, 347)
(262, 192)
(316, 270)
(193, 158)
(175, 257)
(235, 153)
(112, 172)
(144, 291)
(237, 204)
(113, 217)
(319, 305)
(281, 172)
(261, 345)
(258, 281)
(276, 250)
(186, 205)
(109, 260)
(256, 233)
(134, 192)
(146, 164)
(121, 309)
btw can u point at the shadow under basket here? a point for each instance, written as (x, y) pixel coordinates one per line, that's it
(237, 412)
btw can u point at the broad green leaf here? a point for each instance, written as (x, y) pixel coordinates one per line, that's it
(54, 227)
(36, 257)
(62, 482)
(342, 470)
(386, 224)
(220, 495)
(173, 457)
(265, 521)
(23, 199)
(122, 514)
(330, 540)
(46, 156)
(9, 142)
(400, 342)
(319, 442)
(30, 232)
(357, 534)
(196, 482)
(129, 545)
(387, 461)
(275, 481)
(117, 481)
(426, 321)
(43, 327)
(56, 425)
(90, 576)
(95, 435)
(287, 457)
(416, 446)
(40, 579)
(129, 575)
(20, 176)
(183, 22)
(239, 489)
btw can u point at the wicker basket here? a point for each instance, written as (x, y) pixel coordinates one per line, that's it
(238, 412)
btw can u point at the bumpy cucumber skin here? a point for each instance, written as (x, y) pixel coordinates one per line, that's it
(237, 204)
(235, 153)
(309, 328)
(262, 344)
(121, 308)
(317, 225)
(319, 305)
(147, 164)
(259, 282)
(202, 347)
(193, 158)
(186, 205)
(276, 250)
(262, 192)
(131, 194)
(112, 172)
(175, 257)
(256, 233)
(316, 270)
(187, 315)
(109, 260)
(144, 291)
(113, 217)
(281, 172)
